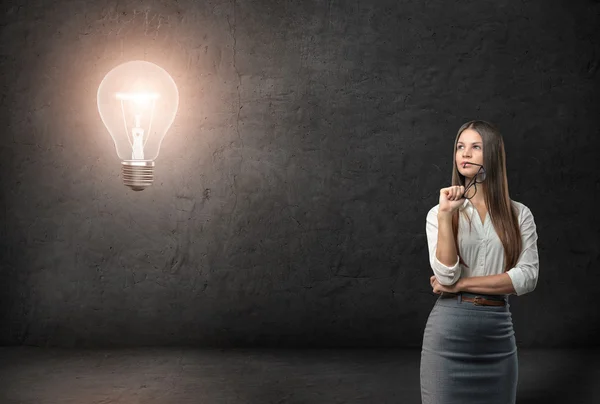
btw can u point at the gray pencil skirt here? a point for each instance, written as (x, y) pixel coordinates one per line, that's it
(469, 353)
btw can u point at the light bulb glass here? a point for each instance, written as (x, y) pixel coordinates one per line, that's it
(137, 102)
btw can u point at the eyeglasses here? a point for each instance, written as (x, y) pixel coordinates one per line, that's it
(477, 179)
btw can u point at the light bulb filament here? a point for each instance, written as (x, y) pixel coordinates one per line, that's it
(137, 141)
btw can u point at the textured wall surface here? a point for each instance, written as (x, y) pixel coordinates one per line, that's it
(290, 195)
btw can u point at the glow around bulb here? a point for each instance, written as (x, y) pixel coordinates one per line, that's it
(137, 102)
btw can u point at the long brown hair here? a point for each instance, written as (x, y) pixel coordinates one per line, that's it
(503, 213)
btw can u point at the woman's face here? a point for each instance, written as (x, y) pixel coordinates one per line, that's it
(469, 149)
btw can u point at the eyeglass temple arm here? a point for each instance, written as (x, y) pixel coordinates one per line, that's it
(474, 180)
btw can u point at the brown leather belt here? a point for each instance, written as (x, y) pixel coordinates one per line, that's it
(477, 300)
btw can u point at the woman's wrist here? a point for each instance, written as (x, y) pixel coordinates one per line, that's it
(443, 215)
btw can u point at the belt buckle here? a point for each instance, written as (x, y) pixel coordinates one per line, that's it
(477, 300)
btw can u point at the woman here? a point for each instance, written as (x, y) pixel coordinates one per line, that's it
(482, 248)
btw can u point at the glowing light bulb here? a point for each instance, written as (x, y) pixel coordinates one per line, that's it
(137, 102)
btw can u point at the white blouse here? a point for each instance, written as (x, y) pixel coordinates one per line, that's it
(482, 250)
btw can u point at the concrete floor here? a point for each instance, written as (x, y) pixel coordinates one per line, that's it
(30, 375)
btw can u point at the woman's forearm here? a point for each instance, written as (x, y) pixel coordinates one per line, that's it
(490, 284)
(446, 248)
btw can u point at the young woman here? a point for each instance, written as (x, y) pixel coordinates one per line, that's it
(482, 248)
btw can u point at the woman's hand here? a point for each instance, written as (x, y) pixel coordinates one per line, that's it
(438, 289)
(451, 198)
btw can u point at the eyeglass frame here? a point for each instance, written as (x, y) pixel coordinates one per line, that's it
(473, 181)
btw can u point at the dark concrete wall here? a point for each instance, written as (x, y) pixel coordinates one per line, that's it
(290, 195)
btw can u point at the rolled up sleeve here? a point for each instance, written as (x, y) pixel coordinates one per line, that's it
(524, 275)
(445, 275)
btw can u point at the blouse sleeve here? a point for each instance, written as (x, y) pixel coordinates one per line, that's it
(524, 275)
(445, 275)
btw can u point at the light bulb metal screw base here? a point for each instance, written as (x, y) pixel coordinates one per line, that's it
(137, 174)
